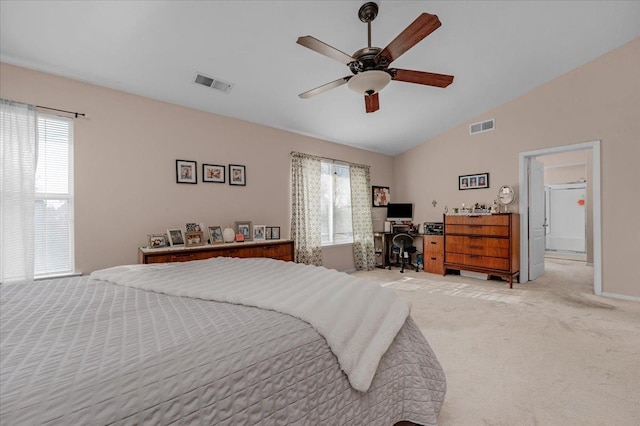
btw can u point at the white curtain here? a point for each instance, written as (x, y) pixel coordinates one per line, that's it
(306, 217)
(18, 152)
(363, 246)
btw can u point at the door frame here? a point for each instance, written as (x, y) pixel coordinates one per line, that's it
(523, 207)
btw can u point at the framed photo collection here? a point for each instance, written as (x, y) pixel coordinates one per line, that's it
(196, 234)
(477, 181)
(186, 172)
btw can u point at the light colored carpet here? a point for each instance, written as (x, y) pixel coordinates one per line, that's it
(547, 352)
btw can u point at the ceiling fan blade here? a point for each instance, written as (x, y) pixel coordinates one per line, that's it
(324, 49)
(422, 77)
(424, 25)
(371, 103)
(325, 87)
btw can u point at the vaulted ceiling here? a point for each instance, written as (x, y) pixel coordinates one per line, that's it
(497, 51)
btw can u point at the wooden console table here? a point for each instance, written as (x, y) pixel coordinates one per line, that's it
(275, 249)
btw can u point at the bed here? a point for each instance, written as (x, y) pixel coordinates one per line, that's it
(143, 344)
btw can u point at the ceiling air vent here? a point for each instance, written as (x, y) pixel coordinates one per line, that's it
(483, 126)
(213, 83)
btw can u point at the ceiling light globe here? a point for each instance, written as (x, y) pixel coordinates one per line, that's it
(369, 82)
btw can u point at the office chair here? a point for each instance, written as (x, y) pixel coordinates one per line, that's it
(403, 248)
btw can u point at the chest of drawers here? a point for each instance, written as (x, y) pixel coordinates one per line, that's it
(488, 244)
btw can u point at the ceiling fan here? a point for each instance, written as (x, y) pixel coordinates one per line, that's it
(370, 65)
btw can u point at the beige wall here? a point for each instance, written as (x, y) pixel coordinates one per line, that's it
(125, 152)
(597, 101)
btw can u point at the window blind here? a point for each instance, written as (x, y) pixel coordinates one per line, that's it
(54, 197)
(335, 204)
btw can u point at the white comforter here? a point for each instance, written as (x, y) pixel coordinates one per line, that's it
(358, 319)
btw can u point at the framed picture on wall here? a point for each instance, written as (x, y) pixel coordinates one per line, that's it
(477, 181)
(380, 196)
(186, 171)
(213, 173)
(237, 175)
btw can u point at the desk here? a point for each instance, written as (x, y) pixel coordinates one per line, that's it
(383, 242)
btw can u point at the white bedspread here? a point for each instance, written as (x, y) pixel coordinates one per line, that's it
(358, 319)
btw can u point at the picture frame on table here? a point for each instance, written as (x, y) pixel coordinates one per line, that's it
(195, 227)
(215, 235)
(213, 173)
(259, 232)
(176, 237)
(476, 181)
(246, 229)
(157, 241)
(380, 196)
(274, 232)
(237, 175)
(193, 239)
(186, 171)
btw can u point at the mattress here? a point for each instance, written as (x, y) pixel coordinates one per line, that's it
(75, 351)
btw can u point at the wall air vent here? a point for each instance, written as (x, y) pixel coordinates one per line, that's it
(483, 126)
(212, 83)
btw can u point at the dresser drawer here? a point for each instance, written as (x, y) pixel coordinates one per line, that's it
(434, 263)
(433, 244)
(500, 220)
(483, 246)
(187, 257)
(488, 230)
(478, 261)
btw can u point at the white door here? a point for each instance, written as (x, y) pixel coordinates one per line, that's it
(567, 218)
(536, 219)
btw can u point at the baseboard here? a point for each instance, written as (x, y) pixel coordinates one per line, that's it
(621, 296)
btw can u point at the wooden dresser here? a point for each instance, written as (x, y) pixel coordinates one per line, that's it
(486, 243)
(275, 249)
(433, 249)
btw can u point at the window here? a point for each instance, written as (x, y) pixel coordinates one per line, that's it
(54, 197)
(335, 204)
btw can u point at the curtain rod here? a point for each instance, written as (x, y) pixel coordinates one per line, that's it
(331, 159)
(77, 114)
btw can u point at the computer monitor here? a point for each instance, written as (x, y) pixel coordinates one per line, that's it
(399, 212)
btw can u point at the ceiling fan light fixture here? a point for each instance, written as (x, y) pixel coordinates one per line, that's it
(369, 82)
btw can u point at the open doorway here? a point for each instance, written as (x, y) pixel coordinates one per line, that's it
(532, 200)
(567, 230)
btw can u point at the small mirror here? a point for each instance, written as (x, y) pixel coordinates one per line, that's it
(506, 196)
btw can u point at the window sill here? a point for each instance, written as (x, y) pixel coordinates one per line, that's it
(61, 275)
(337, 244)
